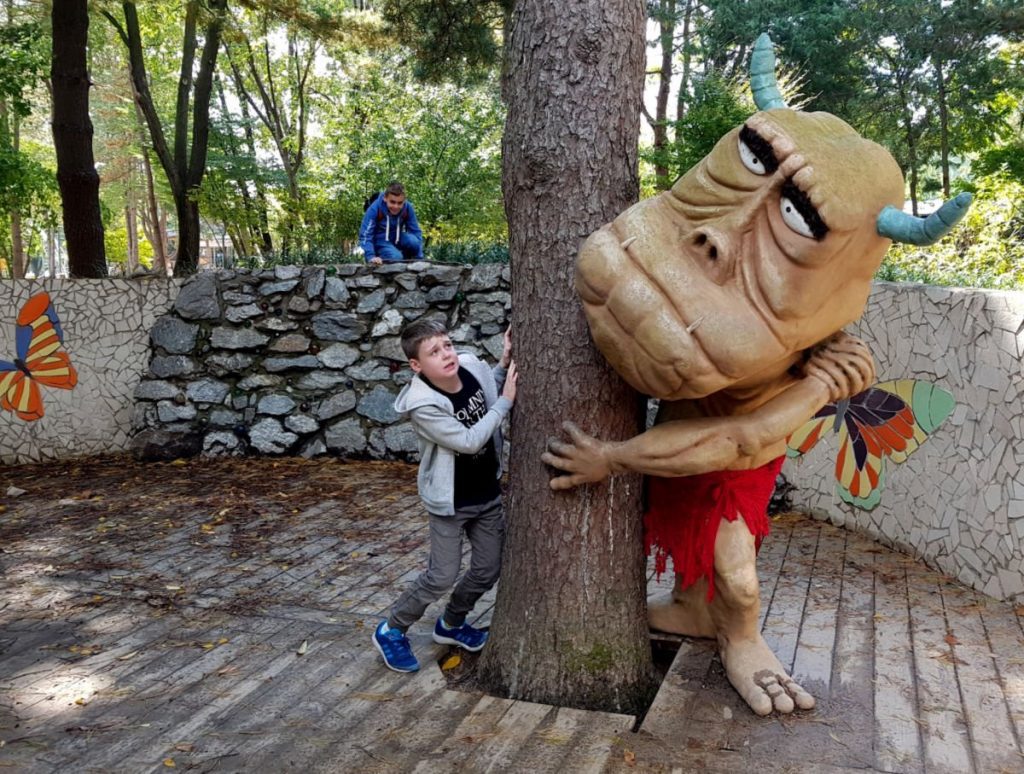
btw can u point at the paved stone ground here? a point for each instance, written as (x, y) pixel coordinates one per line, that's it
(215, 616)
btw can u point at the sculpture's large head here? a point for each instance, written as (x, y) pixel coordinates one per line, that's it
(764, 248)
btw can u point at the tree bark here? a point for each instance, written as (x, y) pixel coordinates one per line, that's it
(18, 263)
(667, 24)
(570, 624)
(132, 229)
(942, 99)
(151, 213)
(684, 80)
(72, 138)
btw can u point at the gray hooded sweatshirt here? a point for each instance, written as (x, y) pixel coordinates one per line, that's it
(441, 436)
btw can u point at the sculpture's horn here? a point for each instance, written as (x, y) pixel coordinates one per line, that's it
(762, 75)
(900, 227)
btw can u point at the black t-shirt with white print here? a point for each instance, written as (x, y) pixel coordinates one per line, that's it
(476, 479)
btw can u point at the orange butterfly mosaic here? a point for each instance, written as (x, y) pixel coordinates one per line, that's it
(39, 360)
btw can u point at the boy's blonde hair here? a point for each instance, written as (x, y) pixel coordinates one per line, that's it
(416, 333)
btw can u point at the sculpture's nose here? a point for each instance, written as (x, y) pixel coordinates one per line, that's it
(718, 242)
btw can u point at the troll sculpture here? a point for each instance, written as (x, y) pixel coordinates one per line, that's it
(725, 297)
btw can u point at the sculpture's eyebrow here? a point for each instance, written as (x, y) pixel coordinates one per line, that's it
(803, 205)
(760, 147)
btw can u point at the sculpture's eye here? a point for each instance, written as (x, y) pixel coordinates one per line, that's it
(756, 153)
(799, 213)
(791, 215)
(750, 160)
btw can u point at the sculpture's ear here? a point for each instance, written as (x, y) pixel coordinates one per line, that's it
(901, 227)
(762, 75)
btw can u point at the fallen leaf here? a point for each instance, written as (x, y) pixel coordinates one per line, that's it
(223, 641)
(302, 648)
(451, 662)
(184, 747)
(951, 639)
(127, 656)
(629, 757)
(169, 763)
(81, 702)
(208, 646)
(374, 696)
(179, 462)
(228, 670)
(173, 588)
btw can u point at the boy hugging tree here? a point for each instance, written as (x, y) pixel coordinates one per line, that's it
(454, 405)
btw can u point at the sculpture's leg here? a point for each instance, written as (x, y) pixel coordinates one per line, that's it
(753, 669)
(684, 611)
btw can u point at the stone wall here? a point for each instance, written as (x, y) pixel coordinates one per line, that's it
(303, 360)
(958, 501)
(105, 324)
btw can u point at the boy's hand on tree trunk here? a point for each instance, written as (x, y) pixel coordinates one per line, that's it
(511, 379)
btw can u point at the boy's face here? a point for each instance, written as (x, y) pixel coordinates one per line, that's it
(437, 359)
(394, 202)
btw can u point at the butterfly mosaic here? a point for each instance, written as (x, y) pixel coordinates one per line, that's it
(38, 361)
(888, 421)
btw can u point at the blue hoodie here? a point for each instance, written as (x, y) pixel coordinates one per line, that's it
(380, 226)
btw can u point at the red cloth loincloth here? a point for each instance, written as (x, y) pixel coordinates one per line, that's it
(683, 515)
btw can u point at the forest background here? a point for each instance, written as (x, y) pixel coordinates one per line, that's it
(314, 105)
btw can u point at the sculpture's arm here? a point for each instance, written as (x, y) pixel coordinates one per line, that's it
(841, 368)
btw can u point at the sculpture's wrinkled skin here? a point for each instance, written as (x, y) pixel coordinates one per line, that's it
(725, 297)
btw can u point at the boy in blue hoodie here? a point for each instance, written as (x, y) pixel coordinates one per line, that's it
(390, 231)
(454, 405)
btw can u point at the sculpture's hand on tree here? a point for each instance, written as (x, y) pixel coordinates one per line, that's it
(584, 459)
(844, 364)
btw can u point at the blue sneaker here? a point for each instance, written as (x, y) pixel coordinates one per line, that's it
(394, 647)
(465, 636)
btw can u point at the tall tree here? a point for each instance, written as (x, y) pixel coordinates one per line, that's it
(570, 625)
(183, 165)
(26, 185)
(72, 138)
(276, 86)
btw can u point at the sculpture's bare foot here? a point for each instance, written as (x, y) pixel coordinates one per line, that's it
(759, 678)
(668, 614)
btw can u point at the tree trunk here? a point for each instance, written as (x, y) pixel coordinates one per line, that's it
(51, 252)
(132, 229)
(18, 263)
(667, 22)
(72, 138)
(188, 237)
(570, 625)
(151, 212)
(941, 97)
(684, 80)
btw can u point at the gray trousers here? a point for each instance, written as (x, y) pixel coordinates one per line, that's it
(484, 525)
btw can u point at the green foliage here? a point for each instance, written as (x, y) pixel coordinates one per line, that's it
(115, 242)
(452, 40)
(467, 252)
(718, 106)
(24, 62)
(26, 185)
(441, 141)
(985, 251)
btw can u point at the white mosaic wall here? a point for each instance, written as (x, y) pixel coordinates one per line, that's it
(106, 327)
(958, 501)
